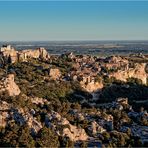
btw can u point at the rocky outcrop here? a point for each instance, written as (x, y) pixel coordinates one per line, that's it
(137, 72)
(4, 106)
(3, 118)
(34, 124)
(20, 116)
(95, 128)
(116, 62)
(37, 100)
(74, 133)
(8, 84)
(41, 53)
(54, 73)
(10, 55)
(90, 85)
(71, 131)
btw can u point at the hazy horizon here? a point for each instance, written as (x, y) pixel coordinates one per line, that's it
(73, 40)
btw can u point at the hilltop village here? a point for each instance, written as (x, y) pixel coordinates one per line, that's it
(72, 100)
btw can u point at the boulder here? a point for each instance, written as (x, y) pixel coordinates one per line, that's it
(75, 134)
(54, 73)
(96, 128)
(8, 84)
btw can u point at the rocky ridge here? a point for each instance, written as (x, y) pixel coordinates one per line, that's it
(10, 55)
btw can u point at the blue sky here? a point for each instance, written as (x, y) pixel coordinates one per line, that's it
(74, 20)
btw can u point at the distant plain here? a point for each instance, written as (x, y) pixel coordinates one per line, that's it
(97, 48)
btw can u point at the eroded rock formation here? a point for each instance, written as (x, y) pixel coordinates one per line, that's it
(24, 55)
(90, 85)
(137, 72)
(71, 131)
(8, 84)
(74, 133)
(10, 55)
(20, 116)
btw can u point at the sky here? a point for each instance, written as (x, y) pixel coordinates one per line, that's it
(73, 20)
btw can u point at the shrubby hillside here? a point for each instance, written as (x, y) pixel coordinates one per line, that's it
(69, 100)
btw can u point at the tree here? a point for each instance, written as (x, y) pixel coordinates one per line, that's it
(9, 59)
(47, 138)
(17, 136)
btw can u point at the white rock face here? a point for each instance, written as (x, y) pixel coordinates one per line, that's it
(9, 54)
(137, 72)
(24, 55)
(8, 84)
